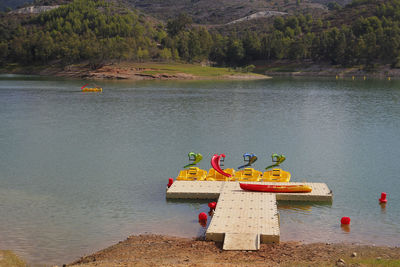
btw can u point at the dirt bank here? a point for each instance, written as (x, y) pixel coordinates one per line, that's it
(135, 71)
(120, 72)
(155, 250)
(311, 69)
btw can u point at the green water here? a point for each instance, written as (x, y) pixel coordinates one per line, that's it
(81, 171)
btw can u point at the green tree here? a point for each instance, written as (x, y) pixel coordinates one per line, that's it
(279, 24)
(166, 54)
(181, 22)
(142, 54)
(252, 46)
(235, 52)
(3, 51)
(44, 47)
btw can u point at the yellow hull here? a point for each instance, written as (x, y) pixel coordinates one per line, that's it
(248, 174)
(192, 174)
(92, 89)
(216, 176)
(276, 175)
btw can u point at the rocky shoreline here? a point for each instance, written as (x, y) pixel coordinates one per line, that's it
(152, 71)
(135, 71)
(307, 69)
(158, 250)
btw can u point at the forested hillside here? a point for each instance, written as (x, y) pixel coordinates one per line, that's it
(222, 11)
(363, 33)
(82, 30)
(366, 32)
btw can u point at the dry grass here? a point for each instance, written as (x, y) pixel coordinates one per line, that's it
(9, 259)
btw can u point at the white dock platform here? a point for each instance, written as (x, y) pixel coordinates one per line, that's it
(249, 215)
(244, 219)
(212, 190)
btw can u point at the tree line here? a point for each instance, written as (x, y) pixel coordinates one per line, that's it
(101, 30)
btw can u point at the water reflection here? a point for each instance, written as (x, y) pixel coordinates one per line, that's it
(345, 228)
(295, 207)
(383, 207)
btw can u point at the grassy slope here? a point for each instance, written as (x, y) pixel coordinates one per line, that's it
(192, 69)
(148, 68)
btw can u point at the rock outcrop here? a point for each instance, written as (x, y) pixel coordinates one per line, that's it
(33, 9)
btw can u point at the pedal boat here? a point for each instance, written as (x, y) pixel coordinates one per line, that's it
(94, 89)
(276, 188)
(247, 174)
(192, 174)
(276, 175)
(216, 176)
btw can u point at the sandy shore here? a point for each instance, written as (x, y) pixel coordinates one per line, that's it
(156, 250)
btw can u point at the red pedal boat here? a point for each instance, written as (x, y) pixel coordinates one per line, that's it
(277, 188)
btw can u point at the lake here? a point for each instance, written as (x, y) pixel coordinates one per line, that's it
(82, 171)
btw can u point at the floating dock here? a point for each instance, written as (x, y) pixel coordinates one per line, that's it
(244, 219)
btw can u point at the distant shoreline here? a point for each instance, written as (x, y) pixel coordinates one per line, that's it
(137, 71)
(180, 71)
(311, 69)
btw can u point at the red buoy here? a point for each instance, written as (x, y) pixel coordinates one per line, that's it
(212, 205)
(170, 182)
(202, 216)
(345, 220)
(383, 198)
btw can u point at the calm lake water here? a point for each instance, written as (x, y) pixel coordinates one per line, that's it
(81, 171)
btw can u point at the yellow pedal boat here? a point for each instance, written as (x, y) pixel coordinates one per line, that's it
(192, 174)
(216, 176)
(276, 175)
(95, 89)
(248, 174)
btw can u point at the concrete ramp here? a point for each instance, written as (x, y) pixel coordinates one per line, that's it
(244, 219)
(241, 241)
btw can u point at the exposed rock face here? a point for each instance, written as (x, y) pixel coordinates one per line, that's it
(33, 9)
(261, 14)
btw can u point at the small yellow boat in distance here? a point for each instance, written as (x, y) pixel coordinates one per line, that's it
(248, 174)
(94, 89)
(276, 175)
(216, 176)
(192, 174)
